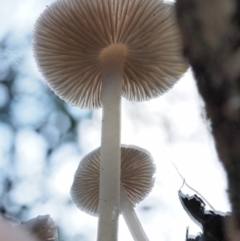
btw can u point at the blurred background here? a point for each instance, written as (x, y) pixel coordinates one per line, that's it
(42, 140)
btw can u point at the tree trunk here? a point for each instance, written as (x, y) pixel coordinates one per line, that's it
(211, 38)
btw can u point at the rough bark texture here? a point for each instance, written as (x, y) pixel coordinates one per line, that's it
(211, 222)
(211, 38)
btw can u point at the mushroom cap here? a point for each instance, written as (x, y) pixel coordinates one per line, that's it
(43, 227)
(137, 170)
(70, 35)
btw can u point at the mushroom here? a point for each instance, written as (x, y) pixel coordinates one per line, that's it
(42, 227)
(93, 51)
(137, 170)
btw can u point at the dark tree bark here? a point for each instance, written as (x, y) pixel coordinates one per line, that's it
(211, 222)
(211, 38)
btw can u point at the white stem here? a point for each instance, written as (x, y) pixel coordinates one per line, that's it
(112, 59)
(131, 218)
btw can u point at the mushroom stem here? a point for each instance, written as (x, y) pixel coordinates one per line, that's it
(112, 59)
(133, 223)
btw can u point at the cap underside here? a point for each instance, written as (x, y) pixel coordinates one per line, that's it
(70, 34)
(137, 170)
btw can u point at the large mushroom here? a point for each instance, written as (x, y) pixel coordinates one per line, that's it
(137, 171)
(93, 51)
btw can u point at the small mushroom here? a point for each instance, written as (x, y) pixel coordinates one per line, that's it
(42, 227)
(91, 52)
(137, 170)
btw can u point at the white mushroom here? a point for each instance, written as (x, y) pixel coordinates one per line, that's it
(42, 227)
(93, 51)
(137, 170)
(73, 39)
